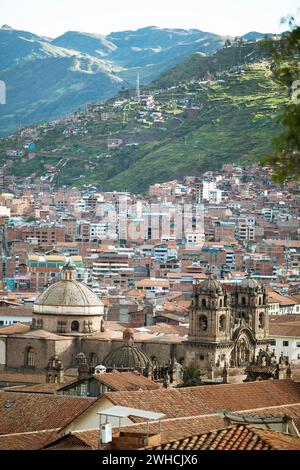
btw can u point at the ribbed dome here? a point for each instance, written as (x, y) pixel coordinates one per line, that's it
(68, 293)
(249, 283)
(210, 285)
(127, 357)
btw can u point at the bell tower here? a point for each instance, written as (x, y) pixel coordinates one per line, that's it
(209, 313)
(55, 370)
(250, 306)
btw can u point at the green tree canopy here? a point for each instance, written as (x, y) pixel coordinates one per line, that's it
(191, 376)
(285, 53)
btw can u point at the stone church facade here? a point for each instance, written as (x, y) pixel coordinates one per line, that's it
(226, 329)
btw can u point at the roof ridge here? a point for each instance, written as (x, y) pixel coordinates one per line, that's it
(29, 432)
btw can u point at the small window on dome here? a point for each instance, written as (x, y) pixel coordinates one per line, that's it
(75, 325)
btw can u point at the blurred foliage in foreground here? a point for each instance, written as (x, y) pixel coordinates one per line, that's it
(285, 53)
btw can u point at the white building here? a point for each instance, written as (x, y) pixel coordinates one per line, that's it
(286, 339)
(10, 315)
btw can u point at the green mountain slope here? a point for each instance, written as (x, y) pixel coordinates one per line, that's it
(94, 66)
(236, 124)
(222, 110)
(198, 65)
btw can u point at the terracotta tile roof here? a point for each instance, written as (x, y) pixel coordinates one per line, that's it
(241, 437)
(261, 369)
(16, 312)
(17, 328)
(77, 440)
(153, 283)
(126, 381)
(171, 429)
(23, 412)
(27, 441)
(48, 389)
(209, 399)
(168, 329)
(45, 335)
(69, 442)
(285, 329)
(171, 275)
(16, 377)
(179, 317)
(284, 318)
(275, 297)
(293, 411)
(178, 428)
(135, 293)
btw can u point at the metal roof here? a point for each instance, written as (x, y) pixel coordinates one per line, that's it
(124, 412)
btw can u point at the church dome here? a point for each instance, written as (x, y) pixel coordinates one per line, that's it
(249, 283)
(128, 357)
(210, 286)
(68, 296)
(71, 293)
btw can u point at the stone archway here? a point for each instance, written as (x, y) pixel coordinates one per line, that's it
(243, 349)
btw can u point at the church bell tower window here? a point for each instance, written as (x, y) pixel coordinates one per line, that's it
(222, 323)
(261, 320)
(203, 322)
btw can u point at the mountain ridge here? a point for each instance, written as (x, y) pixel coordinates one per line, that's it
(195, 122)
(113, 64)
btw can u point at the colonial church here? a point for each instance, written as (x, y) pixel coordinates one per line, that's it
(226, 329)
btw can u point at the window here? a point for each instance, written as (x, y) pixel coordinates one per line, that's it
(203, 302)
(222, 323)
(298, 344)
(243, 300)
(203, 322)
(261, 320)
(75, 326)
(30, 357)
(285, 343)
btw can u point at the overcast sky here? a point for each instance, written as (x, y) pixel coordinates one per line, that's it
(233, 17)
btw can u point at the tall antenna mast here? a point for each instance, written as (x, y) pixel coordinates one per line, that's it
(138, 91)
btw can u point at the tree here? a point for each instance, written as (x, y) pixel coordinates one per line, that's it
(285, 54)
(191, 376)
(227, 43)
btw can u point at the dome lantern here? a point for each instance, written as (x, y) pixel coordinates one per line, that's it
(68, 272)
(128, 357)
